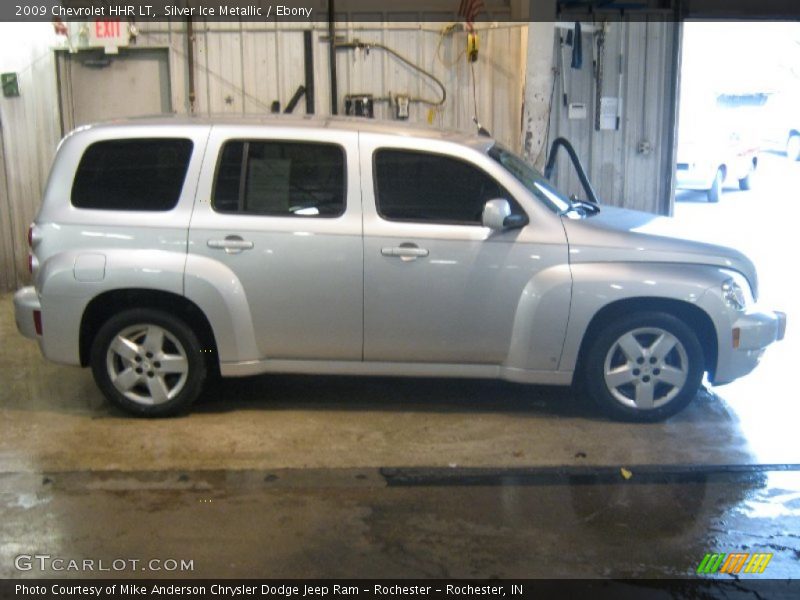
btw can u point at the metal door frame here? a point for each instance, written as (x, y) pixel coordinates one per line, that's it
(64, 80)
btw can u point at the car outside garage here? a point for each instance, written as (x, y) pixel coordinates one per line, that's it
(446, 318)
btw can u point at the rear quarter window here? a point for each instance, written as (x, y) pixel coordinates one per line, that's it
(132, 174)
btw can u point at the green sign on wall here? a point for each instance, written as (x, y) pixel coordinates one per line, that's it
(10, 85)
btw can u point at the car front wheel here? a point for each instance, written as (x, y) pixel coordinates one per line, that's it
(148, 363)
(746, 183)
(715, 192)
(644, 367)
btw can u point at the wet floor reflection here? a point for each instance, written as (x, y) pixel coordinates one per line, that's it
(356, 524)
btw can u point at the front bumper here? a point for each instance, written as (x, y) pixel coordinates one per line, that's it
(26, 301)
(750, 335)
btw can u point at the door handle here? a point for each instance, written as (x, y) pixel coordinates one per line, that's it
(405, 252)
(232, 244)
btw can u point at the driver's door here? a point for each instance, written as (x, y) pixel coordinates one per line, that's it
(438, 286)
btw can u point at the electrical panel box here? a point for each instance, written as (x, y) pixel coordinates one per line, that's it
(359, 105)
(576, 110)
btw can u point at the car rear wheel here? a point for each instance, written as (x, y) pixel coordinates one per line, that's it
(715, 192)
(793, 147)
(148, 363)
(644, 367)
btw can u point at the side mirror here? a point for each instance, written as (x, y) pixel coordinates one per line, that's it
(497, 216)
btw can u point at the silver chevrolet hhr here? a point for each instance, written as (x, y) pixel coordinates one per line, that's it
(167, 248)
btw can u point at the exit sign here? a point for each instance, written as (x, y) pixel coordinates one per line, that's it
(108, 33)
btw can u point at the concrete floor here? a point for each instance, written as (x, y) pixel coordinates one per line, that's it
(290, 476)
(351, 523)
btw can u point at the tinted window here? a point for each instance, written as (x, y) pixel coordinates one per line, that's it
(132, 174)
(417, 186)
(280, 178)
(530, 178)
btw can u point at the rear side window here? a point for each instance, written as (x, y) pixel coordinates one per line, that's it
(432, 188)
(132, 174)
(280, 178)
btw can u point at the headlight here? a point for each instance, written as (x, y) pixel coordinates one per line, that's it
(736, 291)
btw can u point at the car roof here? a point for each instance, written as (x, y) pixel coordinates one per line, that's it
(310, 122)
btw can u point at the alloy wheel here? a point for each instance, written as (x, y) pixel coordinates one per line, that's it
(646, 368)
(147, 364)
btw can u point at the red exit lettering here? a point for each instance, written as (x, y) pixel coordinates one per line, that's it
(106, 29)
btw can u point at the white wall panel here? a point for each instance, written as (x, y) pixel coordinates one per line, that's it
(241, 68)
(30, 133)
(621, 174)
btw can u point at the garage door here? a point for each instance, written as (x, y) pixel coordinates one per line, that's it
(95, 86)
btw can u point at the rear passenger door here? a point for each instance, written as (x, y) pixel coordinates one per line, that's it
(283, 215)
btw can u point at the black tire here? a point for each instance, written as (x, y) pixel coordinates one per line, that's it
(793, 147)
(746, 182)
(161, 388)
(715, 192)
(628, 401)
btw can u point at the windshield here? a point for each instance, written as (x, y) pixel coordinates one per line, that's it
(531, 179)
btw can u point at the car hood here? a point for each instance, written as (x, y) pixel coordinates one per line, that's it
(622, 235)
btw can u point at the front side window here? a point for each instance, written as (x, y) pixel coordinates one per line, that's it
(531, 179)
(425, 187)
(132, 174)
(280, 178)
